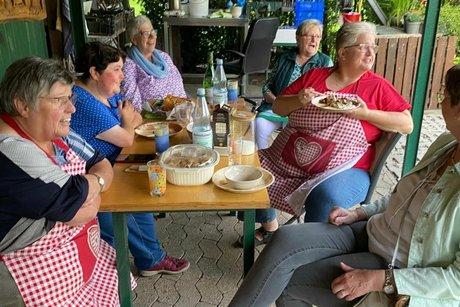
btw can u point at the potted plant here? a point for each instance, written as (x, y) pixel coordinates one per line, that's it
(412, 22)
(397, 9)
(355, 14)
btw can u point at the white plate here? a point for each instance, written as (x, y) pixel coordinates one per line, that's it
(146, 130)
(219, 180)
(316, 102)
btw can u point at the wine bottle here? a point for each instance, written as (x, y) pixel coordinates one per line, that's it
(208, 78)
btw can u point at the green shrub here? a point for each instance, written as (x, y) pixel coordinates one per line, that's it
(414, 17)
(449, 22)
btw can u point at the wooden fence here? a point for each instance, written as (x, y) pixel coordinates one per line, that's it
(397, 61)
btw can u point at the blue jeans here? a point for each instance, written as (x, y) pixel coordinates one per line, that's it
(344, 189)
(142, 237)
(262, 215)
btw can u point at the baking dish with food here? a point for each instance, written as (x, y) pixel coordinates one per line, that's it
(189, 164)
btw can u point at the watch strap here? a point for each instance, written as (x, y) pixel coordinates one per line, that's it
(100, 181)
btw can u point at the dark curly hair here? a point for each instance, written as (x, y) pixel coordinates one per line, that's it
(98, 55)
(453, 84)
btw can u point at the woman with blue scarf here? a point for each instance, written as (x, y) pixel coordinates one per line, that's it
(149, 72)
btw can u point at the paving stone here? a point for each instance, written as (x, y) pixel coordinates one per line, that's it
(189, 294)
(167, 292)
(209, 269)
(209, 292)
(210, 249)
(209, 231)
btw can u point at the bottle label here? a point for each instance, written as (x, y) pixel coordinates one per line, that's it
(203, 138)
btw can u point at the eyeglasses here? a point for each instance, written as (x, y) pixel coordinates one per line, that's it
(62, 100)
(147, 34)
(311, 36)
(365, 47)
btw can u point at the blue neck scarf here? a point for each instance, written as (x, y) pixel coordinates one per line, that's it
(157, 68)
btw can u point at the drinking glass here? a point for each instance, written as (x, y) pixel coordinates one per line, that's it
(235, 150)
(157, 178)
(161, 131)
(183, 113)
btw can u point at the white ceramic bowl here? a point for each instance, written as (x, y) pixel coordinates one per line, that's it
(189, 164)
(243, 177)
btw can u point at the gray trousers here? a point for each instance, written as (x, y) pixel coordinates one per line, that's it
(299, 264)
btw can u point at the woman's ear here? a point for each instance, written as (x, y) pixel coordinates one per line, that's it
(21, 107)
(341, 53)
(93, 73)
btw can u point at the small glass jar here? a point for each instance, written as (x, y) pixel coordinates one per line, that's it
(243, 130)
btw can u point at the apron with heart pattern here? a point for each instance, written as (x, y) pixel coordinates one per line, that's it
(314, 145)
(70, 265)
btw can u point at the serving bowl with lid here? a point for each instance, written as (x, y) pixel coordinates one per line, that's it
(189, 164)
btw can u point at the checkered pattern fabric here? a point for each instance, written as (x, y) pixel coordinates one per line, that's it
(346, 132)
(50, 271)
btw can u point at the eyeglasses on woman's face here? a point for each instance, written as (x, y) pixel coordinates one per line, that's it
(311, 36)
(61, 101)
(364, 48)
(148, 34)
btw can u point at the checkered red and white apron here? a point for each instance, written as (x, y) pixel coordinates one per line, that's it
(70, 265)
(346, 134)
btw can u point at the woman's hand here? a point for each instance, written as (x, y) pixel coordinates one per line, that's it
(127, 112)
(286, 104)
(306, 95)
(339, 216)
(356, 282)
(361, 112)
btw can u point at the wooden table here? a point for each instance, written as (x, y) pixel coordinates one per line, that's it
(129, 193)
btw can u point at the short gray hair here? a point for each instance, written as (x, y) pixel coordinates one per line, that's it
(303, 27)
(349, 32)
(133, 26)
(28, 79)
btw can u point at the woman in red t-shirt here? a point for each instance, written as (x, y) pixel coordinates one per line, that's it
(381, 108)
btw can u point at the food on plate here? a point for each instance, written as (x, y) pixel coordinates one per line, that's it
(169, 101)
(338, 102)
(178, 160)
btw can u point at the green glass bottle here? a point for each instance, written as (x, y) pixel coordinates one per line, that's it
(208, 78)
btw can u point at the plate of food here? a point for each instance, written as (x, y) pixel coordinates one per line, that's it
(336, 102)
(160, 109)
(146, 130)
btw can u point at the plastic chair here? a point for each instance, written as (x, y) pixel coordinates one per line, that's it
(384, 146)
(256, 53)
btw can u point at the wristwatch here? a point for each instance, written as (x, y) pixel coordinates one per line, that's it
(389, 287)
(100, 180)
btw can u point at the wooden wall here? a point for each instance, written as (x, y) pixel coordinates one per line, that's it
(397, 61)
(19, 39)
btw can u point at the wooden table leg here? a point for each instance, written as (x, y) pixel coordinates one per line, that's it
(123, 266)
(248, 244)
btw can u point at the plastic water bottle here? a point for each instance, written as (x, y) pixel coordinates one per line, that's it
(201, 131)
(220, 85)
(208, 80)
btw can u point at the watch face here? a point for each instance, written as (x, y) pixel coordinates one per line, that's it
(388, 289)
